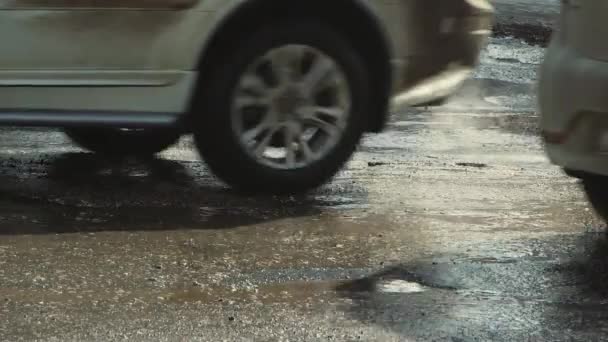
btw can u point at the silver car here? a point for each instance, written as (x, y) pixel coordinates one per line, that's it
(573, 101)
(276, 93)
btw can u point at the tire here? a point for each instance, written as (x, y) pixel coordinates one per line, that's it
(220, 146)
(118, 142)
(596, 189)
(574, 173)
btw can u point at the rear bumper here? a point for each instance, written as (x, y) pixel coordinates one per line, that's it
(443, 49)
(574, 109)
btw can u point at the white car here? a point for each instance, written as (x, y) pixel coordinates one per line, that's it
(277, 93)
(573, 97)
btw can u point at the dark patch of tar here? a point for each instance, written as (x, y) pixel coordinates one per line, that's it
(533, 34)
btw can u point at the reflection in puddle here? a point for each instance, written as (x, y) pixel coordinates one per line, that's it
(400, 286)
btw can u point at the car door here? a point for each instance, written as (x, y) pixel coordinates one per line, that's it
(92, 54)
(84, 34)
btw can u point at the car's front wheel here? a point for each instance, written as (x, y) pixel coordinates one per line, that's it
(289, 107)
(124, 142)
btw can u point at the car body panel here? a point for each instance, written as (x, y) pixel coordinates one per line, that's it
(584, 21)
(97, 4)
(59, 62)
(96, 38)
(572, 86)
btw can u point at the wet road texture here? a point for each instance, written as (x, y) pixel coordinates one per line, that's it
(450, 226)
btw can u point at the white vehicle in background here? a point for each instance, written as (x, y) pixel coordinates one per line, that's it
(573, 99)
(277, 93)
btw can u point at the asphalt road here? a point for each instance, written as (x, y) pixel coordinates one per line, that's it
(449, 226)
(530, 20)
(527, 11)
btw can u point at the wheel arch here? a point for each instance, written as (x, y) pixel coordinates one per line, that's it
(354, 18)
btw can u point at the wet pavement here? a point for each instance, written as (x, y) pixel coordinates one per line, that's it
(533, 12)
(530, 20)
(450, 226)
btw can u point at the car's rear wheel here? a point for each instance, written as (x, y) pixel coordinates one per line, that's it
(288, 109)
(123, 142)
(596, 189)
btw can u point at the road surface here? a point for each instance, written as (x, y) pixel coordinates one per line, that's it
(530, 20)
(450, 226)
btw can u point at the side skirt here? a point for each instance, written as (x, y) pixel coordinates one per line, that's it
(88, 118)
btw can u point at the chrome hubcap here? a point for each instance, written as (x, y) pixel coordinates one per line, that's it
(291, 106)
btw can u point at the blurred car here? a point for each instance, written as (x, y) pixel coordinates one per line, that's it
(276, 93)
(572, 97)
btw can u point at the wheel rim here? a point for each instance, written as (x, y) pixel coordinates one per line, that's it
(290, 107)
